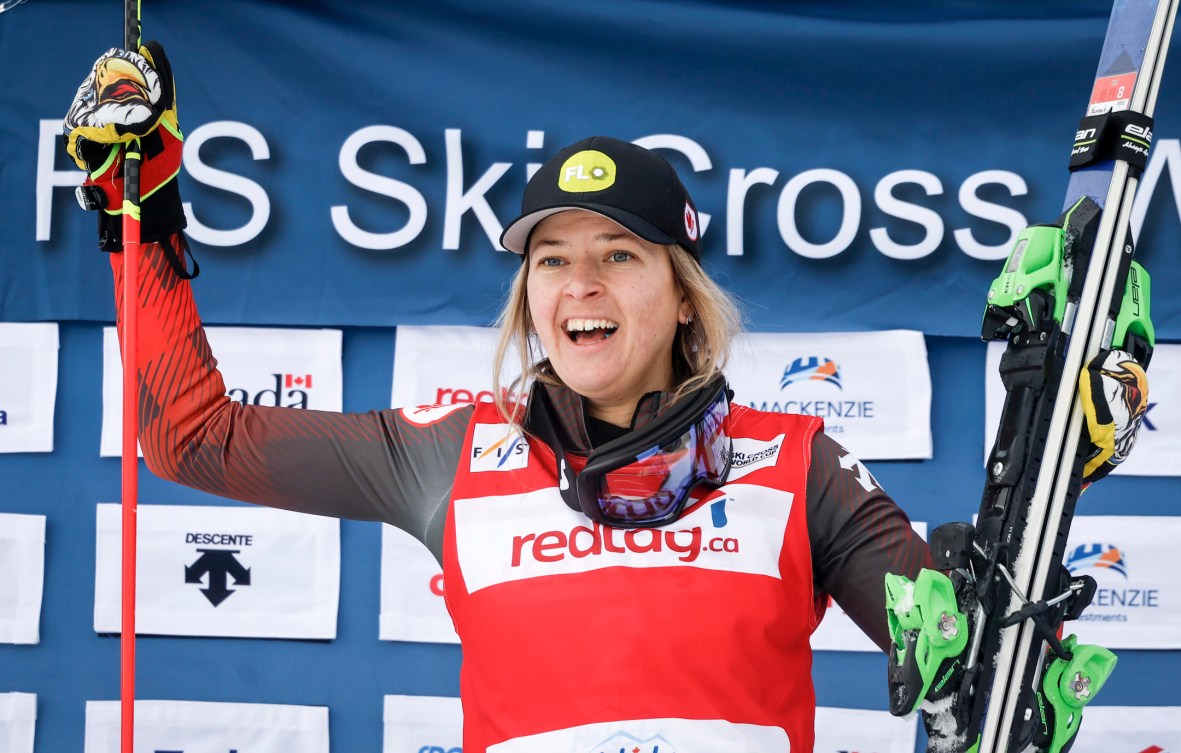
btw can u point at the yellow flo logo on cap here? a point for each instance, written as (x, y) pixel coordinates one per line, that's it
(588, 170)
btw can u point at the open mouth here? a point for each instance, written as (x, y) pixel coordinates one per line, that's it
(587, 331)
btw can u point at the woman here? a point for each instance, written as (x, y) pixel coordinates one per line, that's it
(628, 557)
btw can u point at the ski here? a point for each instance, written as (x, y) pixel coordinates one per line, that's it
(1068, 291)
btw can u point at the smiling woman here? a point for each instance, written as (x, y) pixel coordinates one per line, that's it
(597, 534)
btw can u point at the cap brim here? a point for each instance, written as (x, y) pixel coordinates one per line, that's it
(516, 236)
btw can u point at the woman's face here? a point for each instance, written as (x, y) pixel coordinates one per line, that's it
(606, 305)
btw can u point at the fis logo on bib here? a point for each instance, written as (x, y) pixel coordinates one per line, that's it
(811, 369)
(496, 448)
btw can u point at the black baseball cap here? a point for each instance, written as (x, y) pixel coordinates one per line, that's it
(636, 187)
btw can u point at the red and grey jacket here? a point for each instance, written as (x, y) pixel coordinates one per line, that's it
(399, 466)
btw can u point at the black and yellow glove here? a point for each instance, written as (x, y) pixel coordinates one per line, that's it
(128, 96)
(1114, 393)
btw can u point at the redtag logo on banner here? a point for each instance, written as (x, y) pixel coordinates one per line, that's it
(412, 607)
(288, 368)
(446, 366)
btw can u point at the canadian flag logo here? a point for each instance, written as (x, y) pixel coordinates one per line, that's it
(303, 381)
(690, 221)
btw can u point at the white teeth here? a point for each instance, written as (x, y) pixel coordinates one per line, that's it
(586, 325)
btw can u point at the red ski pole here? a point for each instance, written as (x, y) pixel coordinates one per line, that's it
(130, 460)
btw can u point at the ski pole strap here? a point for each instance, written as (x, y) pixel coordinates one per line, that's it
(1124, 135)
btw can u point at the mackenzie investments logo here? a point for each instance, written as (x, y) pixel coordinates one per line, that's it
(1103, 556)
(811, 369)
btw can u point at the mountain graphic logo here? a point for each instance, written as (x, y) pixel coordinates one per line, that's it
(1101, 556)
(811, 369)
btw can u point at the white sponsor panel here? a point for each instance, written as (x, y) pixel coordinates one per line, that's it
(837, 632)
(292, 368)
(204, 727)
(503, 539)
(1133, 559)
(246, 572)
(28, 386)
(412, 606)
(446, 365)
(1158, 445)
(22, 560)
(844, 730)
(1129, 729)
(873, 389)
(651, 736)
(18, 722)
(422, 724)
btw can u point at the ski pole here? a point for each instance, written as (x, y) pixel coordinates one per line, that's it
(129, 467)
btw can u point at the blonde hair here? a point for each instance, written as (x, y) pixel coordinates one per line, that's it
(700, 351)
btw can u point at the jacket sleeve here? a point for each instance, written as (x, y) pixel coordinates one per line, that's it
(858, 534)
(365, 466)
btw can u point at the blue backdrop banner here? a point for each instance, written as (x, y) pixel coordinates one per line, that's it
(353, 164)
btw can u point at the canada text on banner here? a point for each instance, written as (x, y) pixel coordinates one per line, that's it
(245, 572)
(873, 389)
(843, 730)
(1133, 560)
(1129, 729)
(837, 632)
(422, 724)
(22, 560)
(412, 606)
(198, 726)
(446, 366)
(28, 386)
(290, 368)
(1158, 445)
(18, 722)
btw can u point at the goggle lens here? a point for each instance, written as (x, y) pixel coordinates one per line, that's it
(655, 486)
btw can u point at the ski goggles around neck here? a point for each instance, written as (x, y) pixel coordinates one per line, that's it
(644, 479)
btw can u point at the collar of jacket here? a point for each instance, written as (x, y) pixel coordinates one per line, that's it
(569, 413)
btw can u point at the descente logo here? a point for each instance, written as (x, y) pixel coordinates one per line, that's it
(595, 540)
